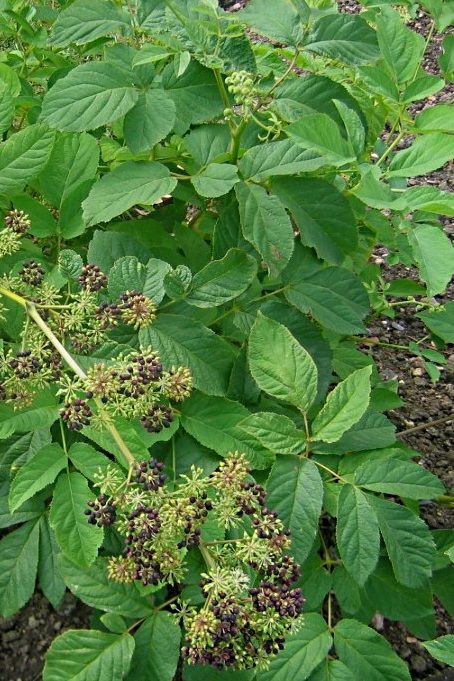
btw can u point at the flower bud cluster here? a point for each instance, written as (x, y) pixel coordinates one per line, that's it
(241, 85)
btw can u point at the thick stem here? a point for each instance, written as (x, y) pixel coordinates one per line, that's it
(207, 557)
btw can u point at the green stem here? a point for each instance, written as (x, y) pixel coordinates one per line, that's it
(391, 147)
(64, 354)
(166, 603)
(207, 557)
(330, 471)
(221, 88)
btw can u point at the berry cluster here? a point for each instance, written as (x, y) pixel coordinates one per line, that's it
(158, 416)
(92, 278)
(32, 273)
(136, 309)
(149, 475)
(143, 370)
(76, 414)
(25, 364)
(251, 602)
(101, 511)
(17, 224)
(17, 221)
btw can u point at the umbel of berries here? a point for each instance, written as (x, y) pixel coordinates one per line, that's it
(150, 475)
(159, 416)
(76, 414)
(17, 221)
(101, 511)
(32, 273)
(137, 309)
(92, 278)
(24, 364)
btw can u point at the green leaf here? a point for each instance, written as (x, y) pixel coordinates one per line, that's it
(73, 161)
(183, 341)
(128, 184)
(7, 107)
(408, 541)
(90, 462)
(207, 142)
(281, 366)
(442, 649)
(344, 406)
(401, 47)
(222, 280)
(276, 432)
(50, 579)
(22, 157)
(372, 431)
(332, 670)
(214, 422)
(396, 601)
(215, 180)
(423, 87)
(334, 296)
(311, 94)
(194, 93)
(277, 158)
(434, 255)
(344, 37)
(436, 118)
(128, 273)
(86, 20)
(88, 655)
(10, 80)
(302, 653)
(17, 449)
(18, 565)
(319, 133)
(157, 634)
(277, 19)
(362, 649)
(149, 121)
(93, 587)
(358, 538)
(36, 473)
(76, 538)
(91, 95)
(404, 478)
(27, 419)
(30, 510)
(323, 216)
(440, 321)
(266, 225)
(427, 153)
(295, 491)
(429, 199)
(347, 591)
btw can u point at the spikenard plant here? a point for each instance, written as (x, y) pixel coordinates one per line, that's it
(192, 442)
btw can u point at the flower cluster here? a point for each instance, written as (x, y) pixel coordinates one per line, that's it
(250, 602)
(241, 85)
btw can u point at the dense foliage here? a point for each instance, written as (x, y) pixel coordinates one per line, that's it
(192, 441)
